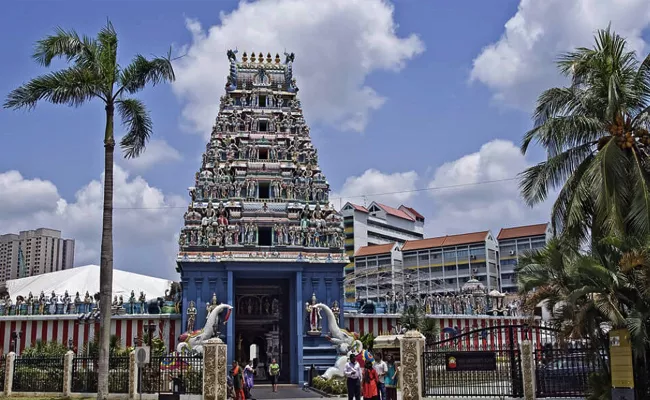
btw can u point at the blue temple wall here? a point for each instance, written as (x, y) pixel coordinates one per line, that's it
(200, 280)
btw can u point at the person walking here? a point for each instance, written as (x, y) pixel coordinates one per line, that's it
(352, 372)
(390, 381)
(237, 381)
(274, 373)
(382, 369)
(249, 379)
(369, 384)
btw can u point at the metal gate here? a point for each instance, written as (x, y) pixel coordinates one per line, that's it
(486, 362)
(481, 362)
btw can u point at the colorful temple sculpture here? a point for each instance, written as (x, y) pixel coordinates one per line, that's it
(473, 299)
(259, 232)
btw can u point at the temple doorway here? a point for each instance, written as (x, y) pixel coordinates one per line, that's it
(262, 325)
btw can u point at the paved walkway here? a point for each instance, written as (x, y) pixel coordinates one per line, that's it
(263, 392)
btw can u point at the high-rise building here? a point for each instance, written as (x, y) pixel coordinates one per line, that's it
(444, 264)
(513, 244)
(34, 252)
(376, 224)
(259, 233)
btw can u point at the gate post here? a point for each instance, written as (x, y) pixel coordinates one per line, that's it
(215, 369)
(9, 373)
(411, 368)
(528, 369)
(68, 359)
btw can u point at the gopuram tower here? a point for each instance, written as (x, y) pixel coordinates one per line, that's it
(259, 232)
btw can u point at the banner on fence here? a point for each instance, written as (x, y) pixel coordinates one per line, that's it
(471, 361)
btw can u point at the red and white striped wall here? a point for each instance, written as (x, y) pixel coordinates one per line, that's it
(62, 328)
(379, 324)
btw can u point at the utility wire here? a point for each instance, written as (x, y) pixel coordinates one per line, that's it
(426, 189)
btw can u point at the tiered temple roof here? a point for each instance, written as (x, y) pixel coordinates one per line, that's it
(260, 194)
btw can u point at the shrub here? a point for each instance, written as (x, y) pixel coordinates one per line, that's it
(336, 386)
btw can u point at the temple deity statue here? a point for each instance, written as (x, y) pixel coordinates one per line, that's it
(143, 303)
(336, 311)
(211, 305)
(191, 317)
(314, 316)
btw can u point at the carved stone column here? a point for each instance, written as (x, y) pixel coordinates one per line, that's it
(411, 347)
(215, 370)
(68, 359)
(133, 377)
(527, 369)
(9, 373)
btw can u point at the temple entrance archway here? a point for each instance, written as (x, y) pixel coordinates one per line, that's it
(262, 324)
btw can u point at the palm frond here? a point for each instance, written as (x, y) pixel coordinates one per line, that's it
(65, 44)
(139, 126)
(141, 71)
(72, 86)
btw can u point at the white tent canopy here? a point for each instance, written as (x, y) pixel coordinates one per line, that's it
(86, 279)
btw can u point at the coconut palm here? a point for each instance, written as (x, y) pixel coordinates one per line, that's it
(94, 73)
(606, 285)
(595, 133)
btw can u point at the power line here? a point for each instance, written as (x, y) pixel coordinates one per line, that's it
(426, 189)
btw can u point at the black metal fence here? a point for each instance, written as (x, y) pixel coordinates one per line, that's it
(158, 376)
(85, 371)
(38, 374)
(481, 362)
(563, 368)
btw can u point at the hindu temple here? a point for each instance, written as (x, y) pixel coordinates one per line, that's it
(259, 231)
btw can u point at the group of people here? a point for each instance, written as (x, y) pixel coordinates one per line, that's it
(375, 381)
(241, 382)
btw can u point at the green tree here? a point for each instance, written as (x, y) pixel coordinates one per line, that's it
(587, 289)
(94, 73)
(595, 133)
(412, 318)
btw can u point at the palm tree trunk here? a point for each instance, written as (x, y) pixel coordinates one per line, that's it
(106, 264)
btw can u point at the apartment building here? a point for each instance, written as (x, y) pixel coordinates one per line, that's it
(34, 252)
(376, 224)
(444, 264)
(514, 243)
(378, 271)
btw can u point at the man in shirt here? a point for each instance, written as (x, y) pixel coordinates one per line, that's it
(381, 368)
(352, 371)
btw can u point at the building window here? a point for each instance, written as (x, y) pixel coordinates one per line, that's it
(264, 125)
(262, 101)
(263, 154)
(265, 236)
(264, 190)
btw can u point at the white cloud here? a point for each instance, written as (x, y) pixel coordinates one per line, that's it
(337, 43)
(144, 224)
(521, 63)
(158, 151)
(399, 188)
(463, 201)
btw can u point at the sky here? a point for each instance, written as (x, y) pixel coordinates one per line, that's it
(422, 103)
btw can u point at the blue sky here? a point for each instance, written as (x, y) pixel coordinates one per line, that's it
(443, 99)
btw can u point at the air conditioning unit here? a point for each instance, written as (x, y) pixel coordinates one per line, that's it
(142, 355)
(512, 252)
(472, 257)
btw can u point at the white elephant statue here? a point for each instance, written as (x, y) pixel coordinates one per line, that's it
(346, 343)
(193, 341)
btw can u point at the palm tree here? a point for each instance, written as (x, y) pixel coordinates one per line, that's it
(595, 133)
(586, 289)
(94, 73)
(412, 318)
